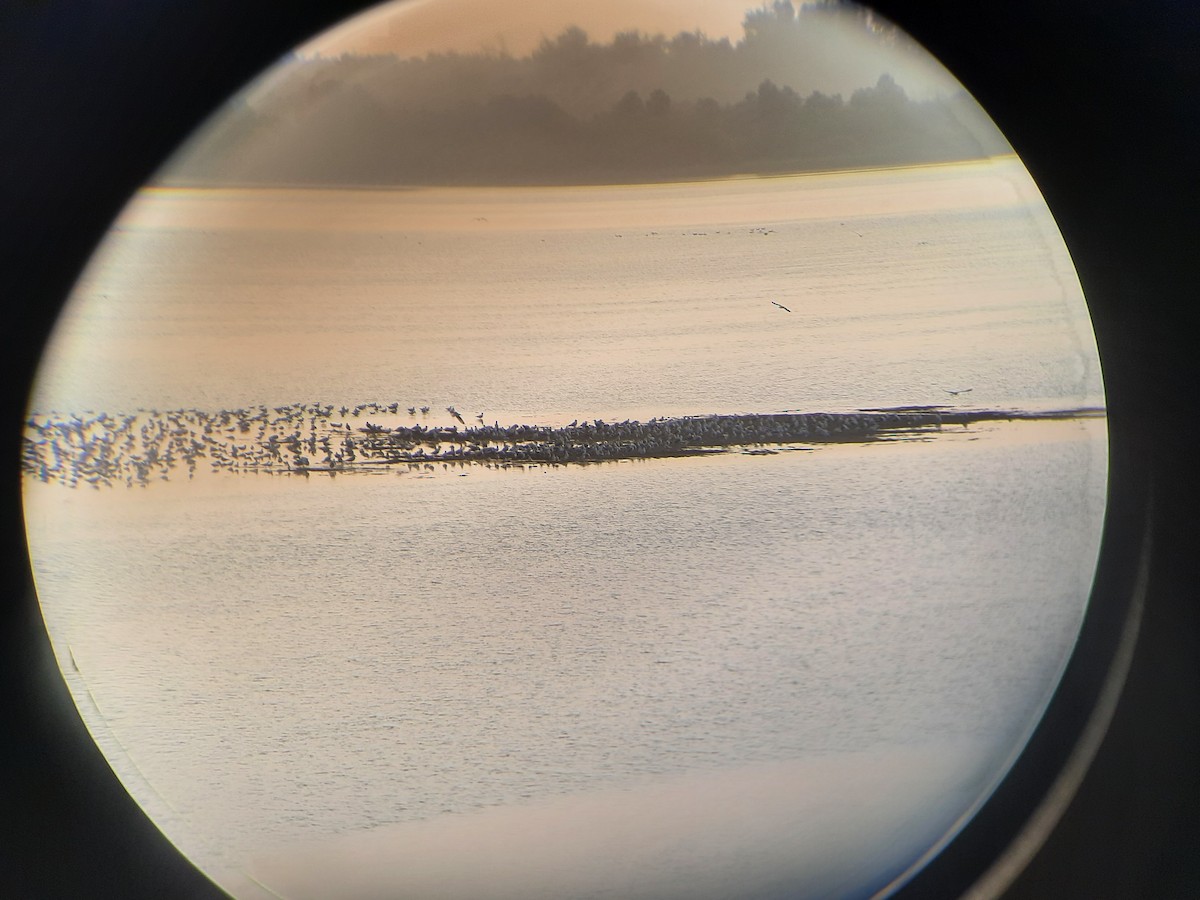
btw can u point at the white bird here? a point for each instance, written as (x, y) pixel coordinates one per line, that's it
(781, 306)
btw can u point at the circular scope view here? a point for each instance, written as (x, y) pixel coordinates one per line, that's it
(546, 450)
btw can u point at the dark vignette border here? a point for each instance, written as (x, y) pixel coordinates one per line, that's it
(1101, 100)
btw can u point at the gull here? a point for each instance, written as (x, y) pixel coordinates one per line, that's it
(959, 391)
(781, 306)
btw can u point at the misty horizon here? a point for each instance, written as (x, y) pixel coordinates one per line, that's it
(642, 108)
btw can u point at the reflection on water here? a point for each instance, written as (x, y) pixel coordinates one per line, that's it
(803, 665)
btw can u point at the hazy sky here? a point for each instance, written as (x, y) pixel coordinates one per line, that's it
(416, 27)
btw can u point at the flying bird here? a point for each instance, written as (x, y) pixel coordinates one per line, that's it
(781, 306)
(959, 391)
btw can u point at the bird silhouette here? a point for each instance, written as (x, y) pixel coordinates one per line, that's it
(959, 391)
(781, 306)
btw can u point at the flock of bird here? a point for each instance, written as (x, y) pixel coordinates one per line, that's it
(99, 449)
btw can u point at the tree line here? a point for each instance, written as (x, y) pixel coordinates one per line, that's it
(639, 108)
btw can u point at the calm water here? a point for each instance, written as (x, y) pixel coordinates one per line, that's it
(609, 302)
(278, 666)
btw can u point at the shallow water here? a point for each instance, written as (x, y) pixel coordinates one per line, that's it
(270, 662)
(283, 660)
(767, 830)
(585, 302)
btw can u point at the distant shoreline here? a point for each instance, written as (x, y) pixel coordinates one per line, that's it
(183, 183)
(103, 450)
